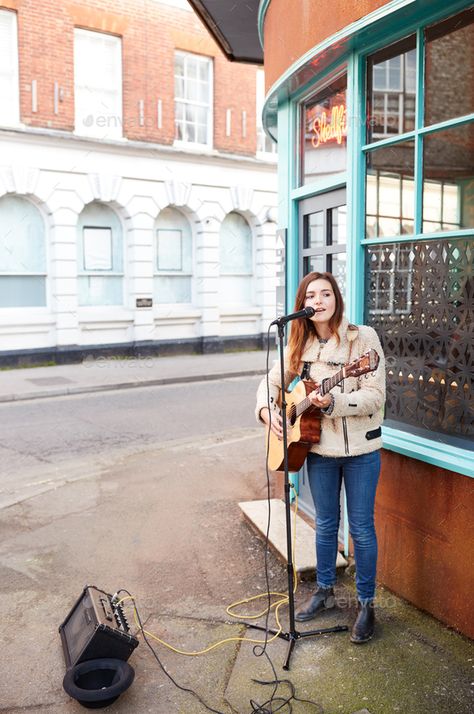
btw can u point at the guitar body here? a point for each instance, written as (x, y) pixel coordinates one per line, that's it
(304, 420)
(302, 431)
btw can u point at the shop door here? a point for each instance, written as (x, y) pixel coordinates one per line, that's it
(323, 235)
(323, 240)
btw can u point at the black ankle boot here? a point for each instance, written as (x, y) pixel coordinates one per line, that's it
(322, 599)
(363, 628)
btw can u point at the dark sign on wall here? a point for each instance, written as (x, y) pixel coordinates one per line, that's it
(144, 302)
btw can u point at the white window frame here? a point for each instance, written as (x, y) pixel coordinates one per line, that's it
(210, 103)
(14, 309)
(179, 225)
(177, 235)
(174, 273)
(95, 263)
(12, 73)
(112, 272)
(103, 129)
(261, 137)
(102, 217)
(229, 274)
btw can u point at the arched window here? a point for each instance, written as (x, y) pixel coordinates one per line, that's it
(173, 258)
(100, 256)
(22, 254)
(236, 261)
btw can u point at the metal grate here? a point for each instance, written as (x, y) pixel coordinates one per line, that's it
(50, 381)
(420, 302)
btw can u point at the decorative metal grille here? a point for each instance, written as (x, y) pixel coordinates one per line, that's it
(420, 301)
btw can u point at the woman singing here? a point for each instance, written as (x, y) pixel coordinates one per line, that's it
(349, 447)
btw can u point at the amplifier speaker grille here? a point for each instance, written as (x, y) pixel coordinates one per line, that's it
(95, 628)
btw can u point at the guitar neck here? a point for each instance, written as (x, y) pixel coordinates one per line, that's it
(326, 385)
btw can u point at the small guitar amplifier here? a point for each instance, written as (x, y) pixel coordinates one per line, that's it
(95, 628)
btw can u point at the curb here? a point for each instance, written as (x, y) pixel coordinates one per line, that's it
(70, 391)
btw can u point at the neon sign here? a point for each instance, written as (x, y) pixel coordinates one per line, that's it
(329, 128)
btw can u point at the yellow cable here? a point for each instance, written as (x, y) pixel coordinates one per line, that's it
(276, 605)
(282, 595)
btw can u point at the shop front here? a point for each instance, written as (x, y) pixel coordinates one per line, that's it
(374, 118)
(372, 106)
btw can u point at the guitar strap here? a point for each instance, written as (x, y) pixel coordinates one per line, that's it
(305, 370)
(307, 365)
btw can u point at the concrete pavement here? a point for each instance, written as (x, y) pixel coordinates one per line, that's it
(95, 375)
(166, 525)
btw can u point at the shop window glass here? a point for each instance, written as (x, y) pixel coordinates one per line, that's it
(236, 261)
(448, 179)
(324, 133)
(390, 203)
(173, 258)
(22, 254)
(449, 68)
(420, 299)
(391, 91)
(100, 256)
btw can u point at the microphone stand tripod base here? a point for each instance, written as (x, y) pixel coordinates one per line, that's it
(292, 637)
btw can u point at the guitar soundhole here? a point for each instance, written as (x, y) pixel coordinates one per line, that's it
(292, 415)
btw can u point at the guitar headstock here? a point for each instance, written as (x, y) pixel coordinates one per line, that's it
(368, 362)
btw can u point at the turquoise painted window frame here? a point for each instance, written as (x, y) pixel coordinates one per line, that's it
(398, 440)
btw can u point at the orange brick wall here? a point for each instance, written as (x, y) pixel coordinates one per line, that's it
(150, 33)
(293, 28)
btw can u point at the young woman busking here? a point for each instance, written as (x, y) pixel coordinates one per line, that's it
(350, 441)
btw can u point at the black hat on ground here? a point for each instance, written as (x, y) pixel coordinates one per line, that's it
(97, 683)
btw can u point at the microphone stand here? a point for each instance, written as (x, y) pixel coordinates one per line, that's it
(292, 635)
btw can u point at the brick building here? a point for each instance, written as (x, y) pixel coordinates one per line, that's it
(137, 188)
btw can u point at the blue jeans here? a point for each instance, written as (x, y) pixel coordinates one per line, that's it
(361, 475)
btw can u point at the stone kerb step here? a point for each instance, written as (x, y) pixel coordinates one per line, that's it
(256, 512)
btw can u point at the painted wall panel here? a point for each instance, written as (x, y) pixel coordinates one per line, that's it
(426, 538)
(291, 31)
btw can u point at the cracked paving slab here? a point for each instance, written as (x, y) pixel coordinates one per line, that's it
(165, 524)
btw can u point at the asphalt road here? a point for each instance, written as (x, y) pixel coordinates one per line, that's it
(47, 441)
(141, 489)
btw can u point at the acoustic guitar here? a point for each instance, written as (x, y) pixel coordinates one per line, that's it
(304, 419)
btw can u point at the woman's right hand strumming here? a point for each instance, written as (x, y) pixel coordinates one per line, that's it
(276, 422)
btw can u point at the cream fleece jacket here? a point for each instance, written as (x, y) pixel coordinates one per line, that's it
(353, 427)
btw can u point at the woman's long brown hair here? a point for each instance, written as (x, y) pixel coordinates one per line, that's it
(302, 330)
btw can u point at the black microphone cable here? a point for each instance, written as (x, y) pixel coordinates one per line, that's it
(260, 650)
(274, 703)
(189, 690)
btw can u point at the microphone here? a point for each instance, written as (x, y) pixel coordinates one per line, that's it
(305, 312)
